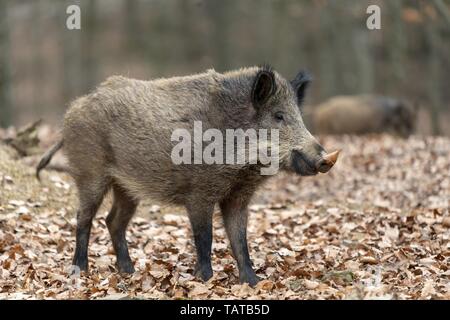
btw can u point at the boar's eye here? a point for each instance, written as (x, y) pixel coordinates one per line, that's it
(279, 116)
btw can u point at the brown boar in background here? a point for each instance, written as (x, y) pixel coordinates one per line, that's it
(363, 114)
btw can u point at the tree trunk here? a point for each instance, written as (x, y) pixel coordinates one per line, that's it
(434, 74)
(88, 33)
(5, 74)
(396, 45)
(364, 61)
(132, 24)
(219, 12)
(326, 53)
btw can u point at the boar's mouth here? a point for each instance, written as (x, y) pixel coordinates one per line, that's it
(302, 165)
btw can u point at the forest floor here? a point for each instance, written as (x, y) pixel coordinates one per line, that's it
(377, 226)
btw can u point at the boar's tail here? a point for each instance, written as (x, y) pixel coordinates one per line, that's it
(45, 160)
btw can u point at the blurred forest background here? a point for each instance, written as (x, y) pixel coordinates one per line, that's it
(43, 65)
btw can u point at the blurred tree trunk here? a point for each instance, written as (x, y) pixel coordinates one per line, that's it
(153, 42)
(341, 39)
(434, 74)
(89, 21)
(266, 32)
(364, 61)
(443, 10)
(38, 101)
(219, 13)
(191, 29)
(396, 47)
(289, 41)
(71, 62)
(326, 55)
(177, 13)
(5, 75)
(132, 24)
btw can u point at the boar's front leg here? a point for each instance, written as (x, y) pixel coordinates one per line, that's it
(235, 213)
(200, 216)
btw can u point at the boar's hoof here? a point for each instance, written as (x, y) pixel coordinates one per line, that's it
(251, 278)
(79, 265)
(204, 273)
(125, 267)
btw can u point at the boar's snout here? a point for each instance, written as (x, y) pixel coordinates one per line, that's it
(307, 164)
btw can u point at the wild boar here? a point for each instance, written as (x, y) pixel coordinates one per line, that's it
(119, 138)
(364, 114)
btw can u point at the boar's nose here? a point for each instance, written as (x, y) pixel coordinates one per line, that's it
(327, 161)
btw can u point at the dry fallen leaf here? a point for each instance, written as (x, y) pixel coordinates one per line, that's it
(265, 285)
(446, 222)
(368, 259)
(198, 290)
(310, 285)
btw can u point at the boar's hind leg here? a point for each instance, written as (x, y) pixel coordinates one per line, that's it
(235, 214)
(200, 216)
(117, 221)
(90, 197)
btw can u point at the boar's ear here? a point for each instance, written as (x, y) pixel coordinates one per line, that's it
(300, 83)
(263, 87)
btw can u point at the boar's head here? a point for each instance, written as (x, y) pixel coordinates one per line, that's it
(278, 106)
(402, 118)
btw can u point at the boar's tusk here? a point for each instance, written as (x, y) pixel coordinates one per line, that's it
(332, 157)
